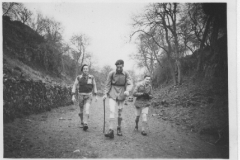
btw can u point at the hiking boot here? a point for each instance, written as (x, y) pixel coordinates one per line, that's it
(81, 125)
(143, 133)
(119, 133)
(110, 134)
(85, 127)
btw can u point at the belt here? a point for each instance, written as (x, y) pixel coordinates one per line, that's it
(118, 85)
(85, 94)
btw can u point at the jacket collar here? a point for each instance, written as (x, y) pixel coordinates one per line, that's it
(123, 72)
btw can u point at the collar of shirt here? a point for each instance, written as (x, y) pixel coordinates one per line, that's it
(84, 75)
(122, 72)
(144, 84)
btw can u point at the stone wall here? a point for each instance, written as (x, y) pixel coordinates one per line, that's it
(25, 96)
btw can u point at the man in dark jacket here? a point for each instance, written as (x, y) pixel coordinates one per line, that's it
(86, 89)
(143, 92)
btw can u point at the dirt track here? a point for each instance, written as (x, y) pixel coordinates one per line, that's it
(56, 134)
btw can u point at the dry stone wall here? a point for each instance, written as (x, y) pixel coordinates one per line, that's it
(25, 96)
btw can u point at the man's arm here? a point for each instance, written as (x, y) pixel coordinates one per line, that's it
(108, 83)
(135, 91)
(129, 84)
(75, 86)
(94, 86)
(151, 92)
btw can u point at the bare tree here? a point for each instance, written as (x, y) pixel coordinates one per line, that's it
(161, 18)
(9, 8)
(24, 15)
(80, 42)
(146, 55)
(16, 11)
(37, 23)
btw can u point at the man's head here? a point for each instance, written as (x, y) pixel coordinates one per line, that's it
(119, 65)
(147, 79)
(85, 69)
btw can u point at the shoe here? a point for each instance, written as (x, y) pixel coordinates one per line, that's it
(81, 125)
(143, 133)
(119, 133)
(110, 134)
(85, 127)
(136, 128)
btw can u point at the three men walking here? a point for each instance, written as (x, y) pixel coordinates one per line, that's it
(118, 86)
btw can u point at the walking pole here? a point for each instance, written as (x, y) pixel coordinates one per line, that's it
(104, 116)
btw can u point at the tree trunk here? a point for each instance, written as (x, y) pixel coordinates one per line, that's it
(63, 66)
(179, 71)
(214, 36)
(172, 70)
(199, 66)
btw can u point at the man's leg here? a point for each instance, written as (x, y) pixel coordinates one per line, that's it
(138, 111)
(87, 103)
(120, 110)
(112, 104)
(144, 120)
(81, 106)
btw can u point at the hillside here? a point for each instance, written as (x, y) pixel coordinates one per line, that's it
(196, 106)
(27, 86)
(19, 45)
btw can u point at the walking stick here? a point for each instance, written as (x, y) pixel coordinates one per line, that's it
(104, 116)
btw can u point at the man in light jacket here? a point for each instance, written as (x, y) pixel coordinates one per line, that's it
(118, 86)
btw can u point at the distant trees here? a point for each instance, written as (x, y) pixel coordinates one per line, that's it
(53, 55)
(16, 11)
(172, 31)
(160, 23)
(79, 42)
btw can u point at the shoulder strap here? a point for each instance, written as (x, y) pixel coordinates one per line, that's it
(114, 72)
(126, 74)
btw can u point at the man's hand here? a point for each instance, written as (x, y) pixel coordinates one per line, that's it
(104, 97)
(145, 95)
(73, 99)
(126, 93)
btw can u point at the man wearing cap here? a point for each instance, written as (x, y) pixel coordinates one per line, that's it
(118, 86)
(143, 92)
(86, 88)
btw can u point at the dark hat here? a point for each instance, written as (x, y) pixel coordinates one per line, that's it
(119, 62)
(83, 66)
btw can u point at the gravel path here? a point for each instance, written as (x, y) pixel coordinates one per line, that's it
(56, 134)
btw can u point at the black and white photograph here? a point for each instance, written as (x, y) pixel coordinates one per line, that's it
(119, 80)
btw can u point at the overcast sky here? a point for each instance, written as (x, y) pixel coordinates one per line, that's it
(108, 25)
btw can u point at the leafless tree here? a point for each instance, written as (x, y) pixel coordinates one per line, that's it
(79, 42)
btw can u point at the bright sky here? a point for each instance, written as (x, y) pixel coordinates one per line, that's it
(108, 25)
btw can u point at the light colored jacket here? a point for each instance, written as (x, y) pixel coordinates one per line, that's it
(113, 89)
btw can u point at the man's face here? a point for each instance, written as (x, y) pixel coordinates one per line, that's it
(85, 70)
(147, 80)
(119, 67)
